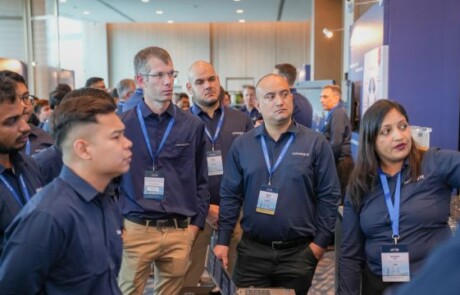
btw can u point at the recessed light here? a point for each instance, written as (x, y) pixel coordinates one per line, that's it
(239, 11)
(159, 12)
(86, 12)
(237, 0)
(63, 1)
(145, 1)
(170, 21)
(242, 20)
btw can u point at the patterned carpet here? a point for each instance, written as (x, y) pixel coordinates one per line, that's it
(323, 281)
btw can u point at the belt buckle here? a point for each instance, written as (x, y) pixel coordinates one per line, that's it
(276, 244)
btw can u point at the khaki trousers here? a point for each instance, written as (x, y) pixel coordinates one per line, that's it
(167, 248)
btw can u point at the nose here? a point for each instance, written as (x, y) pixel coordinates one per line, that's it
(128, 143)
(24, 127)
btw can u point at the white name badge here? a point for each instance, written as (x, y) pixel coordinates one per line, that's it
(395, 263)
(215, 164)
(266, 203)
(154, 185)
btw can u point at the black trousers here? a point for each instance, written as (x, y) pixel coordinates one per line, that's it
(344, 167)
(259, 265)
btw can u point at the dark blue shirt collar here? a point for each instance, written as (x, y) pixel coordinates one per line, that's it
(260, 130)
(84, 189)
(146, 111)
(17, 160)
(200, 111)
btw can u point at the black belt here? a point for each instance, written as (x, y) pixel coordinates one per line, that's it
(169, 222)
(280, 245)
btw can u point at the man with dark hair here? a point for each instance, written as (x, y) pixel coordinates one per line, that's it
(19, 175)
(282, 173)
(67, 240)
(165, 195)
(125, 89)
(38, 139)
(96, 82)
(303, 110)
(223, 125)
(249, 97)
(337, 130)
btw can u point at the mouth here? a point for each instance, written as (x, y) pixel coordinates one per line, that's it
(400, 146)
(167, 92)
(23, 139)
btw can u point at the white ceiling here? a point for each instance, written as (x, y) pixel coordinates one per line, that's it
(116, 11)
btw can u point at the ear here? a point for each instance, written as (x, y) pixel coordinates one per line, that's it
(140, 80)
(81, 149)
(257, 104)
(189, 88)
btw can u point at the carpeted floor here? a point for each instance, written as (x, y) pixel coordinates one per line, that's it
(323, 281)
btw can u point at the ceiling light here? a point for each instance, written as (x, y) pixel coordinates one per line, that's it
(159, 12)
(170, 21)
(328, 33)
(239, 11)
(242, 21)
(145, 1)
(86, 12)
(237, 0)
(63, 1)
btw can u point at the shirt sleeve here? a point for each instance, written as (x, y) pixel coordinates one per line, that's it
(33, 244)
(327, 188)
(231, 196)
(446, 163)
(352, 253)
(202, 187)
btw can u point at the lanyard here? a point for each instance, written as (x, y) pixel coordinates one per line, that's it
(280, 157)
(393, 208)
(14, 193)
(219, 126)
(146, 136)
(27, 150)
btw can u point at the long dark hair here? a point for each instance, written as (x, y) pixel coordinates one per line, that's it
(363, 176)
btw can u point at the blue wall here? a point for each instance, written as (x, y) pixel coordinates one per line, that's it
(424, 64)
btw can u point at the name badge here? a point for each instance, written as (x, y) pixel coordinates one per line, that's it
(395, 263)
(215, 166)
(154, 185)
(266, 203)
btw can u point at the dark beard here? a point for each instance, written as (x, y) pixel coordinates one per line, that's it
(208, 103)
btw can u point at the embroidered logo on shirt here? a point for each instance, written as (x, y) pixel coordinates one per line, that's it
(182, 144)
(300, 154)
(420, 178)
(237, 132)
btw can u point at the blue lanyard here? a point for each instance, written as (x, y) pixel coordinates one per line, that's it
(146, 136)
(27, 150)
(280, 157)
(393, 208)
(14, 193)
(219, 126)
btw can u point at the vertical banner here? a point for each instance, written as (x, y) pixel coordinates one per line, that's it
(375, 76)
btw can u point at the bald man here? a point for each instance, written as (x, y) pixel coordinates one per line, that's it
(283, 175)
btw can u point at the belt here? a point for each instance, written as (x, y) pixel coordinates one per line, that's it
(169, 222)
(280, 245)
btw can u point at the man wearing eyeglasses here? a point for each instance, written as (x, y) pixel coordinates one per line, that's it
(38, 139)
(19, 174)
(164, 196)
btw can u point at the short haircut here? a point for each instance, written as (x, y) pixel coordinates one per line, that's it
(288, 71)
(79, 108)
(249, 87)
(124, 86)
(179, 96)
(13, 75)
(141, 59)
(334, 88)
(58, 94)
(39, 105)
(93, 80)
(7, 90)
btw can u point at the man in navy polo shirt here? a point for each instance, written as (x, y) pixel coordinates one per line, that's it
(67, 239)
(223, 125)
(19, 174)
(164, 196)
(283, 174)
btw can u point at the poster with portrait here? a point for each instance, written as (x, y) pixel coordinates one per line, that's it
(375, 76)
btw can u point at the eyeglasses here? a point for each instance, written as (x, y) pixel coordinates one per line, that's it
(161, 75)
(28, 99)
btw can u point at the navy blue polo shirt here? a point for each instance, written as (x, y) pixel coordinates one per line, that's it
(66, 240)
(9, 207)
(39, 140)
(303, 110)
(252, 114)
(235, 123)
(309, 188)
(50, 163)
(182, 162)
(424, 212)
(337, 130)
